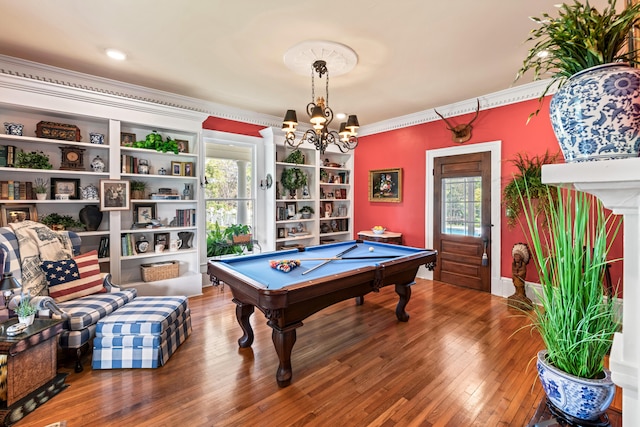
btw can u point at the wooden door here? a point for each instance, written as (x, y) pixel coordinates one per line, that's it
(462, 220)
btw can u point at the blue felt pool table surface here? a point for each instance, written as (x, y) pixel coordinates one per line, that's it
(257, 268)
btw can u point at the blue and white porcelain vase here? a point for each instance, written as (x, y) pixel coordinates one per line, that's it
(596, 114)
(586, 399)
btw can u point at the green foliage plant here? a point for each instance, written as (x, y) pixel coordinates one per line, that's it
(578, 38)
(138, 185)
(293, 178)
(529, 173)
(220, 240)
(66, 221)
(24, 308)
(306, 209)
(575, 318)
(41, 185)
(296, 157)
(33, 160)
(154, 141)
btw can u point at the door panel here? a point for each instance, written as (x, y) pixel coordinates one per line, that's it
(462, 216)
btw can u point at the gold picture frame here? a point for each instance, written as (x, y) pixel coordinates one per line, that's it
(17, 213)
(385, 185)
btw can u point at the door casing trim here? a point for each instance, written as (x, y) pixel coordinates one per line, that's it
(495, 148)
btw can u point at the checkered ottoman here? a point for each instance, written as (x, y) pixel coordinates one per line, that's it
(143, 333)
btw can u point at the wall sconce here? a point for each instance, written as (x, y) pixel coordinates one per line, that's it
(266, 183)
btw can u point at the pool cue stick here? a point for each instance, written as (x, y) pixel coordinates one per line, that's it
(338, 258)
(328, 261)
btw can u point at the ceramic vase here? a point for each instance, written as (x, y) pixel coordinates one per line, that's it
(595, 116)
(586, 399)
(41, 196)
(187, 239)
(91, 217)
(27, 320)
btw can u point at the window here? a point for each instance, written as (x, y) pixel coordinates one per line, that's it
(461, 206)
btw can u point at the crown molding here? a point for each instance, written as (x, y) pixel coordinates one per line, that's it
(40, 78)
(497, 99)
(35, 77)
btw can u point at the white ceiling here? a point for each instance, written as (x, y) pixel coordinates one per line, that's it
(412, 54)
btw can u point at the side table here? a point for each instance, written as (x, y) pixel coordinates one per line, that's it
(28, 368)
(386, 237)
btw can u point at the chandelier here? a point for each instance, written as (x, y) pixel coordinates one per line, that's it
(321, 116)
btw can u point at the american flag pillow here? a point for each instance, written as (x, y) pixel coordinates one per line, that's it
(73, 278)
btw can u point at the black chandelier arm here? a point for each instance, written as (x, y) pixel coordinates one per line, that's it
(290, 139)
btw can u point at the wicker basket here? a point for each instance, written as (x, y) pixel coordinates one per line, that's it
(159, 271)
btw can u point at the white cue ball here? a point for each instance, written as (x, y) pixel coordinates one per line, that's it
(371, 249)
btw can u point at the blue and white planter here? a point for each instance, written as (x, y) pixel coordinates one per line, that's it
(581, 398)
(596, 114)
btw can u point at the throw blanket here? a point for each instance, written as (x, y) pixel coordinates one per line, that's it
(37, 242)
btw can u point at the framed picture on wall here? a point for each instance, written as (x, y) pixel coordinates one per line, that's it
(385, 185)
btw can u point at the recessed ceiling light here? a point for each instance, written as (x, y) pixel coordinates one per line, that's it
(116, 54)
(341, 116)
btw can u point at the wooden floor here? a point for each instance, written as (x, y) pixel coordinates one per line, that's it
(459, 361)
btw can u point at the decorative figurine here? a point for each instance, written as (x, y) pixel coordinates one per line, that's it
(521, 257)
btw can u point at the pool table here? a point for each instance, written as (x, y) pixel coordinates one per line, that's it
(288, 298)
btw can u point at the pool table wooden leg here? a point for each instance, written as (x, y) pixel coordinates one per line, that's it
(404, 291)
(283, 340)
(243, 313)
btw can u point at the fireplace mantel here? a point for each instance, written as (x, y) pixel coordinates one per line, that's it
(617, 184)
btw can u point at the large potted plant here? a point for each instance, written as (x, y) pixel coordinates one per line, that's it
(575, 318)
(583, 50)
(529, 173)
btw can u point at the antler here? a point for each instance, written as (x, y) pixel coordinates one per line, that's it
(462, 132)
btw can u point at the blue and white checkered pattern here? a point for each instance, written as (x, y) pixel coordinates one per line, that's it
(85, 312)
(142, 334)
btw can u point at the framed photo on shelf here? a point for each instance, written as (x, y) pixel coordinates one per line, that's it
(183, 145)
(328, 209)
(127, 139)
(67, 188)
(161, 239)
(385, 185)
(281, 233)
(176, 169)
(290, 209)
(143, 214)
(188, 168)
(114, 195)
(18, 213)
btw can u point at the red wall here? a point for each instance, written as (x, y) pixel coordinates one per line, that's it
(406, 148)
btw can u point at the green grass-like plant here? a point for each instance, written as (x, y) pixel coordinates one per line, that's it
(575, 318)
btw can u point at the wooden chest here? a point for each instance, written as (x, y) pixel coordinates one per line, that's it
(62, 131)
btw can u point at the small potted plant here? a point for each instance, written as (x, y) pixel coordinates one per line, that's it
(292, 179)
(306, 211)
(33, 160)
(41, 188)
(137, 189)
(25, 311)
(62, 222)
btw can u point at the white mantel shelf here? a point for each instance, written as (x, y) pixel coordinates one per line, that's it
(617, 184)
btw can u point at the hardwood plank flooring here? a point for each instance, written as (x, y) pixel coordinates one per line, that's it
(459, 361)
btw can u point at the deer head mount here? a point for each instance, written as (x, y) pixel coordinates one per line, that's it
(461, 133)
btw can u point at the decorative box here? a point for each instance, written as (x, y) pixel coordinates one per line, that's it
(61, 131)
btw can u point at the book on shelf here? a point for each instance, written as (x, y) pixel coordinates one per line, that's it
(298, 233)
(15, 190)
(103, 247)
